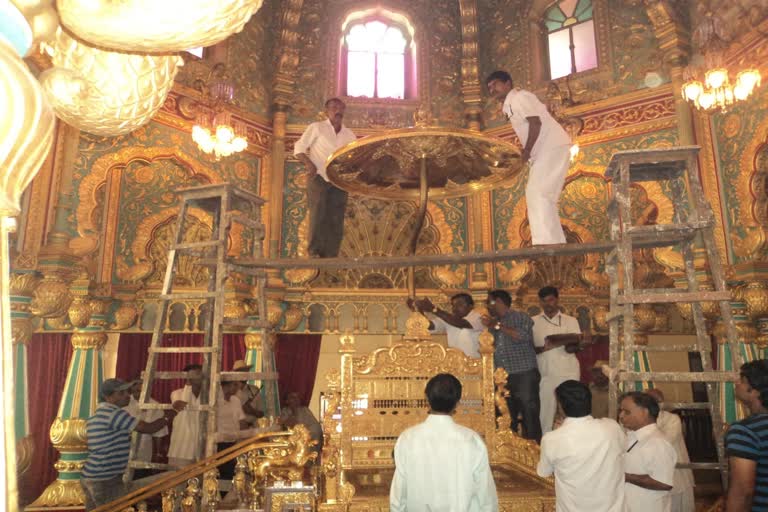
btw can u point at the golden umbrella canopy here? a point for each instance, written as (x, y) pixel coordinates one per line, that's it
(458, 162)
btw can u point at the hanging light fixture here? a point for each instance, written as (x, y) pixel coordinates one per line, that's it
(215, 131)
(716, 92)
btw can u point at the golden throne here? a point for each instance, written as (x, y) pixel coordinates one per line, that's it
(382, 393)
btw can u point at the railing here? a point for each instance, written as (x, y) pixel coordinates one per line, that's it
(268, 456)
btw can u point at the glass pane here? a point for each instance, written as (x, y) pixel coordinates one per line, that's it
(391, 76)
(392, 42)
(559, 54)
(361, 74)
(375, 30)
(568, 6)
(553, 25)
(584, 10)
(358, 39)
(584, 43)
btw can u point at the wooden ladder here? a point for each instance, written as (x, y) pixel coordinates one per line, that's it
(672, 166)
(227, 205)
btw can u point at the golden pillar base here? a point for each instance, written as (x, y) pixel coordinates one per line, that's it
(25, 448)
(61, 493)
(69, 438)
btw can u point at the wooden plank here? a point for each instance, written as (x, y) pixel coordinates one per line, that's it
(678, 376)
(664, 295)
(238, 376)
(182, 350)
(667, 348)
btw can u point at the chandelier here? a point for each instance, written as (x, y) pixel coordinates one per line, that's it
(215, 131)
(716, 92)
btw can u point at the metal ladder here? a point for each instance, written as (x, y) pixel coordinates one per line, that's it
(673, 166)
(227, 205)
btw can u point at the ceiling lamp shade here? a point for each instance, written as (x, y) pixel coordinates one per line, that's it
(106, 93)
(26, 128)
(155, 26)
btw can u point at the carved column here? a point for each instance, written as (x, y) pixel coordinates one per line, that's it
(470, 80)
(22, 285)
(260, 355)
(675, 43)
(80, 397)
(282, 91)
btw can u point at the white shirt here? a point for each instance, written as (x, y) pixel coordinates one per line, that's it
(670, 425)
(652, 456)
(521, 104)
(441, 466)
(321, 140)
(185, 435)
(465, 339)
(229, 413)
(144, 451)
(556, 361)
(586, 456)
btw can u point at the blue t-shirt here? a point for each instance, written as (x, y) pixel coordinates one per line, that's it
(109, 442)
(748, 439)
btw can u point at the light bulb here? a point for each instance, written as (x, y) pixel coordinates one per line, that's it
(239, 144)
(716, 78)
(692, 90)
(574, 152)
(225, 133)
(748, 79)
(740, 92)
(706, 100)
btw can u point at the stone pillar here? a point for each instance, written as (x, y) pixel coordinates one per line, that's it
(22, 285)
(80, 397)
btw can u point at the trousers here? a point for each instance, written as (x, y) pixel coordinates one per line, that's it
(326, 204)
(548, 400)
(523, 400)
(546, 178)
(100, 492)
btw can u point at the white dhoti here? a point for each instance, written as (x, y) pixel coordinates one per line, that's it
(547, 398)
(546, 178)
(684, 501)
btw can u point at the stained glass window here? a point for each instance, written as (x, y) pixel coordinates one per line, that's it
(376, 60)
(571, 37)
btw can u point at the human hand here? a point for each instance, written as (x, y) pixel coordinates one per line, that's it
(488, 321)
(310, 167)
(179, 405)
(425, 305)
(410, 303)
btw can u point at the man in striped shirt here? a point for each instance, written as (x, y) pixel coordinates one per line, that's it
(746, 443)
(109, 442)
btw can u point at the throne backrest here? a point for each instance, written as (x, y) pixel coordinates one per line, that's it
(382, 394)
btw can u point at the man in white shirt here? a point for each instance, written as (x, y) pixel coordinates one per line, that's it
(585, 454)
(556, 363)
(440, 465)
(326, 203)
(147, 443)
(650, 460)
(547, 146)
(670, 425)
(186, 441)
(230, 420)
(248, 394)
(462, 326)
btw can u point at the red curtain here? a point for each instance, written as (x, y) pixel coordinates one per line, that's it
(48, 357)
(296, 359)
(132, 353)
(590, 354)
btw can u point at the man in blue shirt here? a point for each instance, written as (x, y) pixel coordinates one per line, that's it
(746, 443)
(514, 351)
(109, 443)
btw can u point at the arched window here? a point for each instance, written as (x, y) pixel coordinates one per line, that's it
(571, 37)
(376, 59)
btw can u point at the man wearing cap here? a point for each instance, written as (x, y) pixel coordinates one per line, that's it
(147, 444)
(248, 394)
(109, 443)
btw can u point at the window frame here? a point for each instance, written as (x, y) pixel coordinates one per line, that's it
(571, 46)
(410, 87)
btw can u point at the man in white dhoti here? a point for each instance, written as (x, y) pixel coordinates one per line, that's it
(186, 443)
(670, 425)
(557, 362)
(546, 145)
